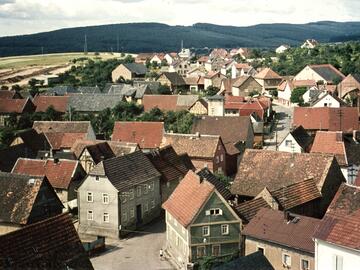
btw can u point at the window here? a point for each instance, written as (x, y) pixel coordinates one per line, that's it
(261, 249)
(123, 197)
(213, 212)
(337, 262)
(288, 143)
(205, 230)
(217, 159)
(105, 198)
(152, 186)
(90, 215)
(90, 197)
(131, 194)
(138, 191)
(124, 216)
(200, 251)
(145, 189)
(216, 250)
(106, 217)
(97, 178)
(225, 229)
(286, 259)
(146, 207)
(152, 204)
(304, 264)
(132, 213)
(222, 158)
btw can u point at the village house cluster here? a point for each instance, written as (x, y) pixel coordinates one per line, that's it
(222, 193)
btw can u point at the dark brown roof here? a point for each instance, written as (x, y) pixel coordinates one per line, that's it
(301, 137)
(174, 78)
(34, 140)
(220, 186)
(100, 151)
(189, 196)
(16, 106)
(49, 244)
(17, 196)
(341, 224)
(231, 129)
(262, 168)
(253, 261)
(328, 72)
(126, 171)
(270, 225)
(169, 164)
(10, 155)
(247, 210)
(7, 94)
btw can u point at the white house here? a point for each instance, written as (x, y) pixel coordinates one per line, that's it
(327, 100)
(284, 92)
(310, 44)
(297, 141)
(336, 239)
(216, 105)
(282, 48)
(242, 69)
(324, 74)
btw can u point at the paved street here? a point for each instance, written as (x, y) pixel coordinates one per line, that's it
(139, 251)
(284, 116)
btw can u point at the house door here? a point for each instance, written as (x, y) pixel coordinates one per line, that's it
(138, 214)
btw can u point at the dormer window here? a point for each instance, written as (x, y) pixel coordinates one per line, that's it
(214, 212)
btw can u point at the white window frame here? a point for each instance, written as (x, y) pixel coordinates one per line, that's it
(132, 194)
(124, 217)
(221, 157)
(261, 247)
(212, 250)
(301, 266)
(146, 207)
(203, 230)
(138, 191)
(106, 217)
(123, 197)
(197, 251)
(152, 204)
(283, 259)
(105, 195)
(146, 189)
(227, 229)
(132, 213)
(152, 184)
(217, 159)
(91, 194)
(90, 212)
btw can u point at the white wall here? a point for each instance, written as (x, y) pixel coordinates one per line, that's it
(296, 147)
(325, 253)
(330, 102)
(308, 74)
(286, 94)
(216, 108)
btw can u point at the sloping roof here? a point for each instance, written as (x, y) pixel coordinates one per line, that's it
(13, 105)
(136, 91)
(10, 155)
(79, 145)
(62, 126)
(7, 94)
(301, 137)
(17, 196)
(330, 142)
(296, 194)
(349, 84)
(89, 90)
(341, 224)
(188, 197)
(93, 102)
(327, 118)
(34, 140)
(169, 164)
(59, 103)
(319, 98)
(352, 149)
(60, 174)
(59, 140)
(269, 225)
(262, 168)
(253, 261)
(220, 186)
(169, 102)
(138, 69)
(50, 244)
(328, 72)
(232, 130)
(267, 73)
(196, 146)
(126, 171)
(146, 134)
(62, 90)
(174, 78)
(247, 210)
(100, 151)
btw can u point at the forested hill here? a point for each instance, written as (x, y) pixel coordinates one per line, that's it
(152, 37)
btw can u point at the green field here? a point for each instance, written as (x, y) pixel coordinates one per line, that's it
(47, 59)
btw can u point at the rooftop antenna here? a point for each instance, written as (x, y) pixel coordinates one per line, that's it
(85, 45)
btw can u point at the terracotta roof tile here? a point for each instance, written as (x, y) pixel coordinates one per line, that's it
(7, 94)
(189, 196)
(59, 174)
(270, 226)
(49, 244)
(341, 224)
(267, 73)
(59, 103)
(60, 140)
(326, 118)
(13, 105)
(146, 134)
(247, 210)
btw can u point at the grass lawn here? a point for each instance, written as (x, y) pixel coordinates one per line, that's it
(18, 62)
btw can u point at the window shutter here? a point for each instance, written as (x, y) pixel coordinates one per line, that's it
(220, 212)
(207, 212)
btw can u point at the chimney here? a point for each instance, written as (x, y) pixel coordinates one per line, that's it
(197, 134)
(287, 216)
(56, 160)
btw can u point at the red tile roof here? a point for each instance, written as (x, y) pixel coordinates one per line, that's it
(50, 244)
(247, 210)
(270, 226)
(341, 224)
(60, 103)
(187, 199)
(7, 94)
(59, 174)
(267, 73)
(146, 134)
(327, 118)
(60, 140)
(13, 105)
(330, 142)
(163, 102)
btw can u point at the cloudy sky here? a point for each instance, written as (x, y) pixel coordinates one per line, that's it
(30, 16)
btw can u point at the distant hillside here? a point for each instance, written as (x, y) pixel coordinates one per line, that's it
(151, 37)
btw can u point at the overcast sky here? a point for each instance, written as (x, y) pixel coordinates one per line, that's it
(30, 16)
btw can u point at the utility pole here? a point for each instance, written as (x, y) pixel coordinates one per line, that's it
(85, 45)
